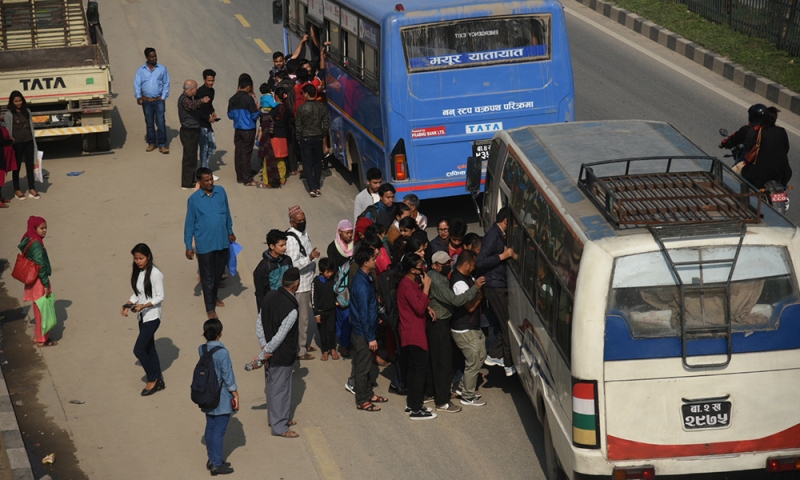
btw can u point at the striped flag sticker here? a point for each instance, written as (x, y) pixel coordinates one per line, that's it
(584, 418)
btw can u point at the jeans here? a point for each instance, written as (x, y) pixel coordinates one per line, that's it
(473, 345)
(498, 301)
(145, 349)
(212, 266)
(190, 137)
(417, 366)
(154, 119)
(24, 152)
(343, 327)
(216, 425)
(440, 349)
(362, 361)
(243, 153)
(208, 145)
(311, 154)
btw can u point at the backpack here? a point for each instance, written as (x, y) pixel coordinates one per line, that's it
(341, 284)
(387, 296)
(370, 212)
(299, 243)
(206, 388)
(276, 276)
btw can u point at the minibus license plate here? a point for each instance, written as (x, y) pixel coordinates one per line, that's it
(778, 197)
(706, 415)
(480, 149)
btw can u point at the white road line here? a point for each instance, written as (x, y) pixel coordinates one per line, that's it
(671, 65)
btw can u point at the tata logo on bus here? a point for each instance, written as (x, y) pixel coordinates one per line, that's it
(45, 83)
(485, 127)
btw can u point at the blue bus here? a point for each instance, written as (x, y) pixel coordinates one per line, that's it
(415, 88)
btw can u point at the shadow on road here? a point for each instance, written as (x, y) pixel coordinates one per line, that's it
(167, 351)
(57, 332)
(234, 437)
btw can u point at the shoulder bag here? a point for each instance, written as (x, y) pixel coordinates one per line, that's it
(752, 155)
(25, 270)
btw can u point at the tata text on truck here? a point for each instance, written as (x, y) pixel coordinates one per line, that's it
(47, 53)
(412, 85)
(653, 301)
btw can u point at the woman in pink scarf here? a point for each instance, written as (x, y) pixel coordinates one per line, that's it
(340, 249)
(8, 160)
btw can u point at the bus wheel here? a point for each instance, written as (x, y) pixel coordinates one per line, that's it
(354, 159)
(552, 470)
(89, 142)
(104, 141)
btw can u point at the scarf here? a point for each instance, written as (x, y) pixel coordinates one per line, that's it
(361, 227)
(33, 223)
(344, 250)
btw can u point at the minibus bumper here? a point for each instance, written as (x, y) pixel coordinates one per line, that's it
(740, 475)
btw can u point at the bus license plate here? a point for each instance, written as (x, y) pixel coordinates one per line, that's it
(706, 415)
(779, 197)
(480, 149)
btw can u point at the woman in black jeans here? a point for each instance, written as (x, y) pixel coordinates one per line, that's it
(19, 124)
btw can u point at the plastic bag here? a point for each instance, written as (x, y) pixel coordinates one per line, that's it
(234, 251)
(37, 169)
(47, 308)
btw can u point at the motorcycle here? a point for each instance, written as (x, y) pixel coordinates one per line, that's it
(774, 192)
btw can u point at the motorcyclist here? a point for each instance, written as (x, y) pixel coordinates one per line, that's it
(772, 162)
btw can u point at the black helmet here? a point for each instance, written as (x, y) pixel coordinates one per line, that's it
(756, 113)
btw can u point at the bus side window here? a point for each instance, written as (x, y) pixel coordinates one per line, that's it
(369, 63)
(529, 269)
(335, 37)
(545, 283)
(564, 322)
(350, 49)
(517, 242)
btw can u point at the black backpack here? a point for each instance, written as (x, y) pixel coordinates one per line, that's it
(299, 243)
(387, 292)
(206, 387)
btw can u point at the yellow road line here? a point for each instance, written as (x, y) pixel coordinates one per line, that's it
(242, 20)
(321, 455)
(226, 1)
(263, 45)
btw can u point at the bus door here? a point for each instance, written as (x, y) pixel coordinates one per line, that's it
(686, 372)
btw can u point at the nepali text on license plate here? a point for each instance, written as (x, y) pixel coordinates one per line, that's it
(706, 415)
(778, 197)
(41, 118)
(480, 149)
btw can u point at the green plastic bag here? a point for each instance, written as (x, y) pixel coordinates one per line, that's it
(47, 308)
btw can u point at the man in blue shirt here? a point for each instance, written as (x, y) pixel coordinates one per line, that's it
(209, 223)
(151, 87)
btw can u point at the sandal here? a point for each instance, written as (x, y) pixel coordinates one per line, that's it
(3, 205)
(311, 348)
(307, 356)
(379, 399)
(49, 343)
(251, 184)
(324, 357)
(20, 196)
(289, 434)
(368, 407)
(335, 355)
(291, 423)
(264, 185)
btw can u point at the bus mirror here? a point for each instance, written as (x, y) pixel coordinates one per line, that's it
(474, 165)
(277, 12)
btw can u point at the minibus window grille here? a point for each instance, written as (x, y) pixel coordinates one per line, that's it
(671, 233)
(656, 194)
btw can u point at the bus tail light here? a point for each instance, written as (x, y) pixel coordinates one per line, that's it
(585, 418)
(400, 162)
(775, 465)
(637, 473)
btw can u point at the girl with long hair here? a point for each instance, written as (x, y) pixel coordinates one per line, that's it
(147, 283)
(19, 124)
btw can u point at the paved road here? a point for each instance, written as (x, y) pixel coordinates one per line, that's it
(130, 196)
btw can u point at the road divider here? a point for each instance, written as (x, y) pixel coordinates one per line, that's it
(242, 20)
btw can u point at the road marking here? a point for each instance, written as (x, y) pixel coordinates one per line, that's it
(263, 45)
(670, 65)
(321, 455)
(242, 20)
(226, 1)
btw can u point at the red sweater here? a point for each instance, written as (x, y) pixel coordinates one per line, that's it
(412, 304)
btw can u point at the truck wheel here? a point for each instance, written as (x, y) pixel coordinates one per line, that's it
(552, 469)
(103, 141)
(89, 142)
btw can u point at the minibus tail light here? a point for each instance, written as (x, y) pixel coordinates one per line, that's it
(400, 162)
(585, 418)
(785, 464)
(637, 473)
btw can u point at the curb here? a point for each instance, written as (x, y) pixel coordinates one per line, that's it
(12, 438)
(773, 92)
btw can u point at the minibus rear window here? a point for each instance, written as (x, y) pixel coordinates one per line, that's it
(475, 42)
(644, 291)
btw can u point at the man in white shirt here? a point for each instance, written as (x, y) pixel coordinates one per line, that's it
(413, 203)
(303, 255)
(368, 196)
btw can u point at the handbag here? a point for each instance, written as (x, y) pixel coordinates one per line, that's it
(47, 309)
(752, 155)
(25, 270)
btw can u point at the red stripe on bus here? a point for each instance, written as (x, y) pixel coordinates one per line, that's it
(621, 449)
(434, 185)
(584, 391)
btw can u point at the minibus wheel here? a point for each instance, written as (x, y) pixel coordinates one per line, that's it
(552, 469)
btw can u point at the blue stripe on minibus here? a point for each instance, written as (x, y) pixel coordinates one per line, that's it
(620, 344)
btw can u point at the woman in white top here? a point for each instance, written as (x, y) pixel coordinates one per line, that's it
(148, 293)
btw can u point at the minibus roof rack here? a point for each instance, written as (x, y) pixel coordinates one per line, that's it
(669, 190)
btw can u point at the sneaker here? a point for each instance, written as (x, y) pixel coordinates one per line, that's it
(221, 470)
(425, 409)
(494, 362)
(458, 393)
(428, 400)
(510, 370)
(349, 388)
(397, 390)
(216, 178)
(313, 194)
(319, 192)
(448, 407)
(474, 402)
(422, 415)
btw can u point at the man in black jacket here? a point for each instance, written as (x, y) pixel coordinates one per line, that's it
(189, 115)
(279, 347)
(273, 260)
(491, 265)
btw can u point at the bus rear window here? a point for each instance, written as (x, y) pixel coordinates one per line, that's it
(645, 292)
(477, 42)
